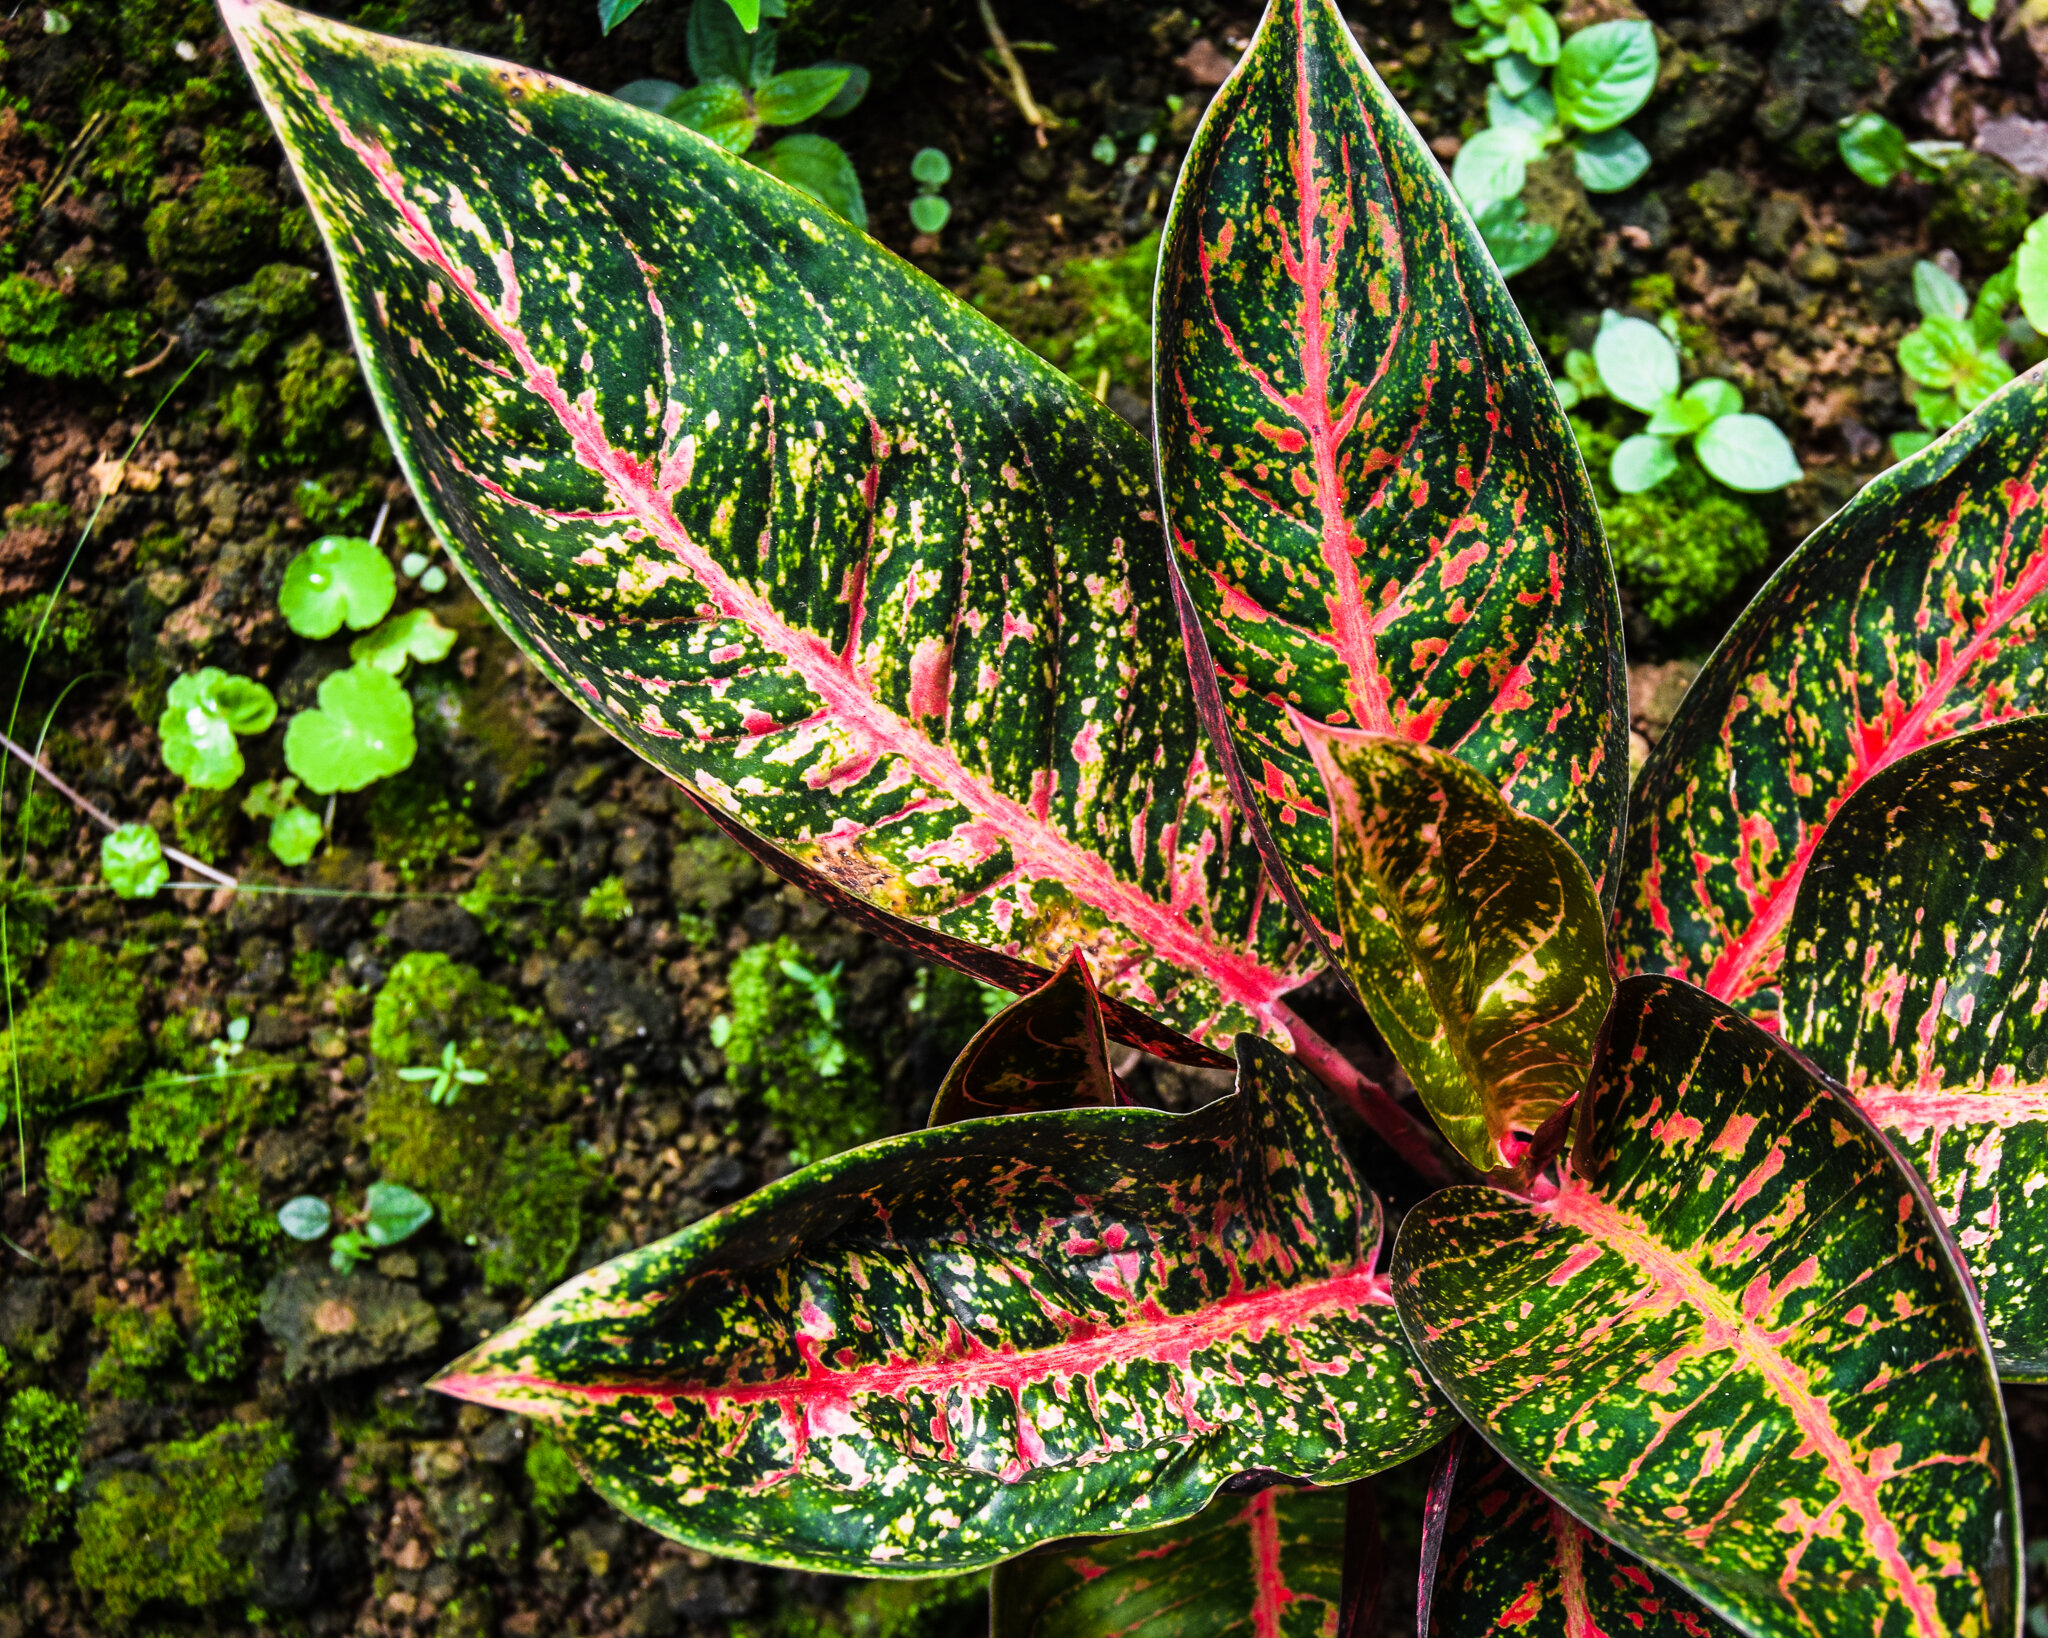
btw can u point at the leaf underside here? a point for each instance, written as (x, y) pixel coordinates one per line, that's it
(1915, 972)
(1912, 614)
(1048, 1050)
(1471, 932)
(1735, 1342)
(934, 1352)
(1378, 515)
(1264, 1566)
(806, 532)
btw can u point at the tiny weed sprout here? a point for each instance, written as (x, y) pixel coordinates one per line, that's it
(305, 1217)
(444, 1081)
(432, 578)
(931, 170)
(132, 861)
(391, 1213)
(1957, 356)
(361, 731)
(227, 1048)
(338, 580)
(415, 636)
(1877, 150)
(205, 714)
(295, 831)
(607, 901)
(1151, 737)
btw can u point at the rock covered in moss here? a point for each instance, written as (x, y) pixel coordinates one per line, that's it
(79, 1034)
(333, 1325)
(39, 1443)
(76, 1158)
(1980, 210)
(1556, 199)
(1702, 96)
(219, 230)
(786, 1038)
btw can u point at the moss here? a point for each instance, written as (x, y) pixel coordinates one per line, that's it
(951, 1606)
(317, 385)
(81, 1033)
(784, 1038)
(218, 1297)
(139, 1343)
(39, 1445)
(1981, 210)
(218, 231)
(204, 822)
(498, 1174)
(556, 1483)
(181, 1115)
(1116, 332)
(187, 1529)
(280, 296)
(221, 1208)
(75, 1160)
(47, 333)
(414, 825)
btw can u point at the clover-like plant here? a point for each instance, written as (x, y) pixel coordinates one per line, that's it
(1333, 675)
(203, 716)
(132, 861)
(1951, 359)
(338, 580)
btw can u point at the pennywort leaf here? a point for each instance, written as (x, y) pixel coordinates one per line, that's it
(412, 636)
(360, 731)
(1605, 73)
(132, 861)
(295, 836)
(203, 714)
(338, 580)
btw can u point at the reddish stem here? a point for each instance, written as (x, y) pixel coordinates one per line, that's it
(1373, 1104)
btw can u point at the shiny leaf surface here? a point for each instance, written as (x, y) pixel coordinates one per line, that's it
(1912, 614)
(1734, 1341)
(803, 530)
(1471, 932)
(1264, 1566)
(936, 1351)
(1379, 518)
(1046, 1050)
(1916, 969)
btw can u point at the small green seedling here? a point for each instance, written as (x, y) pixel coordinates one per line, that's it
(932, 170)
(360, 732)
(132, 861)
(1519, 37)
(446, 1079)
(391, 1213)
(339, 579)
(305, 1217)
(432, 578)
(206, 712)
(739, 92)
(1637, 365)
(413, 635)
(1877, 150)
(607, 901)
(294, 831)
(1951, 359)
(226, 1049)
(1604, 75)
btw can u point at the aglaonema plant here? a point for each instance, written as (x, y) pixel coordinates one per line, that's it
(1737, 1085)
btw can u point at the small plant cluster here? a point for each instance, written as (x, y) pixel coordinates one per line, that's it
(1960, 352)
(391, 1215)
(739, 93)
(1636, 363)
(359, 730)
(1599, 78)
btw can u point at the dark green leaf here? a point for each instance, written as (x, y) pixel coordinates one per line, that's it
(393, 1213)
(850, 94)
(1379, 516)
(818, 166)
(1873, 147)
(1915, 968)
(1734, 1341)
(886, 592)
(933, 1352)
(1608, 161)
(792, 98)
(1912, 613)
(361, 731)
(1515, 243)
(1605, 73)
(1046, 1050)
(720, 47)
(1471, 932)
(338, 580)
(653, 95)
(611, 13)
(1263, 1566)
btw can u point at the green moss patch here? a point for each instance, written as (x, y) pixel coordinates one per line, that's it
(81, 1033)
(785, 1038)
(39, 1440)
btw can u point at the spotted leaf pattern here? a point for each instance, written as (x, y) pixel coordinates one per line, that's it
(1472, 933)
(1269, 1565)
(807, 533)
(1916, 971)
(1734, 1340)
(1379, 517)
(1048, 1050)
(933, 1352)
(1913, 613)
(1511, 1563)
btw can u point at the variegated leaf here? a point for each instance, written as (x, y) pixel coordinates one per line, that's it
(1916, 971)
(1472, 933)
(1911, 614)
(1378, 514)
(1734, 1340)
(806, 532)
(1263, 1566)
(1047, 1050)
(1513, 1564)
(933, 1352)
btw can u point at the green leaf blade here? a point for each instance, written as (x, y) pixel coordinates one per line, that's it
(950, 696)
(887, 1366)
(1321, 297)
(361, 731)
(800, 94)
(338, 580)
(1693, 1345)
(1748, 453)
(1605, 73)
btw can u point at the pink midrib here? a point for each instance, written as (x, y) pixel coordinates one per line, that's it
(1913, 1112)
(834, 678)
(1729, 978)
(1609, 1228)
(822, 1388)
(1270, 1592)
(1568, 1537)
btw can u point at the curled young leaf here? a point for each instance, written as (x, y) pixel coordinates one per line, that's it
(935, 1351)
(1471, 932)
(1913, 613)
(1046, 1050)
(1379, 518)
(1914, 970)
(1695, 1344)
(879, 587)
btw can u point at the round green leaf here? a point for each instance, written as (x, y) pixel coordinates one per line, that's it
(1604, 74)
(360, 732)
(413, 635)
(1608, 161)
(1492, 166)
(1873, 147)
(294, 834)
(929, 213)
(132, 862)
(720, 111)
(653, 95)
(338, 579)
(802, 93)
(1641, 463)
(305, 1217)
(1637, 362)
(931, 168)
(819, 167)
(2031, 268)
(1937, 294)
(202, 715)
(1747, 452)
(395, 1213)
